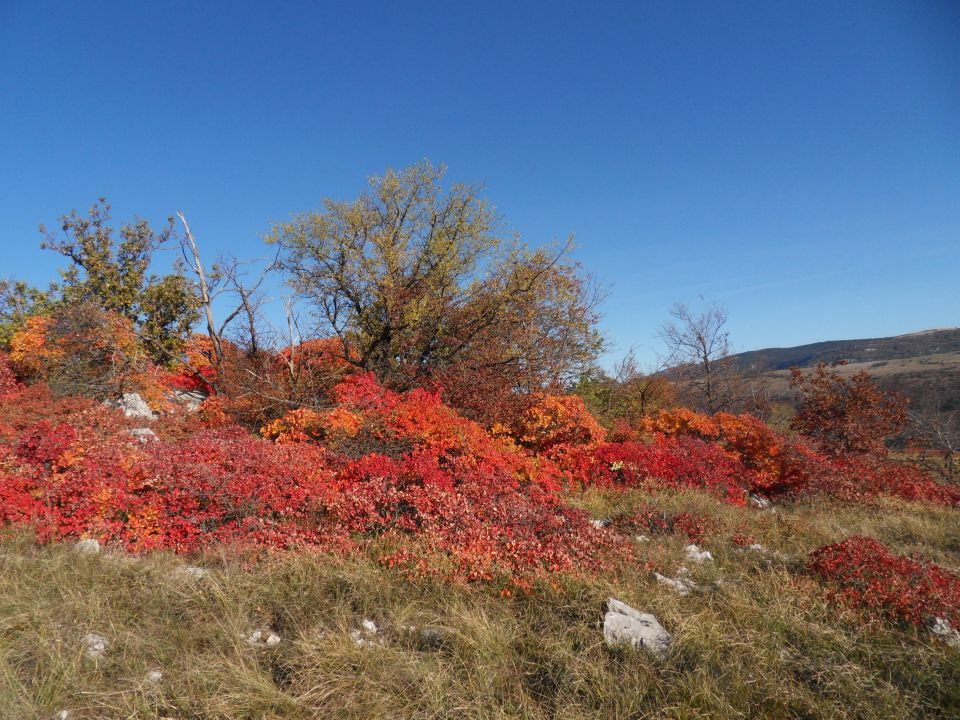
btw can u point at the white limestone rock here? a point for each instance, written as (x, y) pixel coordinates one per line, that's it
(682, 585)
(133, 406)
(761, 502)
(88, 546)
(695, 554)
(624, 625)
(95, 646)
(941, 629)
(190, 400)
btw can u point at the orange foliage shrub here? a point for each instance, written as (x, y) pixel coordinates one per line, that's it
(30, 353)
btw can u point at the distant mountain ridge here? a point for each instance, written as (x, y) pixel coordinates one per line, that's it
(900, 347)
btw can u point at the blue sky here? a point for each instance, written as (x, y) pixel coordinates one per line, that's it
(797, 162)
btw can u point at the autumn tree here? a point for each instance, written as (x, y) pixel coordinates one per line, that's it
(112, 269)
(626, 395)
(419, 285)
(19, 301)
(846, 415)
(698, 356)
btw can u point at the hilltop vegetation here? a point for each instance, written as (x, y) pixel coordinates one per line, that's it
(405, 510)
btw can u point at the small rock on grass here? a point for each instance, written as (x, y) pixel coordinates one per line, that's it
(88, 546)
(683, 586)
(190, 572)
(263, 638)
(367, 634)
(697, 555)
(95, 646)
(941, 629)
(624, 625)
(759, 501)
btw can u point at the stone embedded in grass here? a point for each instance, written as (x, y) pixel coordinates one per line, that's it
(88, 546)
(367, 634)
(191, 572)
(624, 625)
(263, 638)
(941, 629)
(600, 523)
(641, 538)
(426, 638)
(94, 646)
(697, 555)
(682, 585)
(759, 501)
(153, 677)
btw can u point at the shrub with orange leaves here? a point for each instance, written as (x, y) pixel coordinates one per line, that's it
(682, 421)
(553, 420)
(30, 352)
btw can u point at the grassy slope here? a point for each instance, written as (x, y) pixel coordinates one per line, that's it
(762, 644)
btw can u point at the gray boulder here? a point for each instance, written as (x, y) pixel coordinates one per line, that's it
(624, 625)
(133, 406)
(191, 400)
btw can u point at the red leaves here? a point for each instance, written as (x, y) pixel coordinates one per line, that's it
(670, 462)
(847, 416)
(383, 466)
(862, 572)
(9, 385)
(44, 443)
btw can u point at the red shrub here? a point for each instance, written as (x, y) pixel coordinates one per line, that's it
(670, 462)
(44, 443)
(9, 385)
(862, 572)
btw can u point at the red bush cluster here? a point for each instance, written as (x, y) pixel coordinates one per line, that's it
(669, 462)
(9, 385)
(768, 463)
(487, 509)
(861, 572)
(430, 490)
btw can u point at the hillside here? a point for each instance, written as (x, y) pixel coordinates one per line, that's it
(913, 346)
(924, 366)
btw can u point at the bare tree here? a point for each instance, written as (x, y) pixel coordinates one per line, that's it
(698, 351)
(228, 276)
(233, 277)
(938, 432)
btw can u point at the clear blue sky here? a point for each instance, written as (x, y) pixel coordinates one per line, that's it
(797, 162)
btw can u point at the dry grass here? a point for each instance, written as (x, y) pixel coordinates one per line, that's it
(762, 643)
